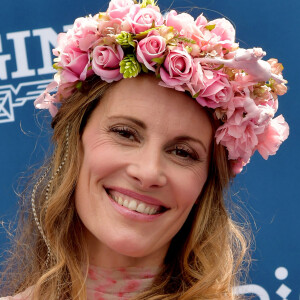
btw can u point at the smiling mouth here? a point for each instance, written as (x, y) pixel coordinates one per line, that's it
(135, 205)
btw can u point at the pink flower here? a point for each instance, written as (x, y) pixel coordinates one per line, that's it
(180, 22)
(223, 29)
(185, 25)
(141, 19)
(238, 165)
(217, 91)
(75, 63)
(238, 136)
(196, 82)
(85, 32)
(269, 141)
(45, 100)
(153, 46)
(106, 62)
(177, 69)
(201, 21)
(118, 9)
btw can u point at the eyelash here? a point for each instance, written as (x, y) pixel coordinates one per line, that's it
(187, 152)
(124, 131)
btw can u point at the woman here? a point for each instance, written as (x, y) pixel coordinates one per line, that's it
(131, 205)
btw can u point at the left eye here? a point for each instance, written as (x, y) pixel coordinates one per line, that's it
(183, 153)
(125, 133)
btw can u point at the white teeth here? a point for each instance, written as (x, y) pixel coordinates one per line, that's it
(132, 205)
(135, 205)
(120, 201)
(125, 203)
(141, 208)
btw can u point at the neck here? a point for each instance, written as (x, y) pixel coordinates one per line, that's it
(103, 256)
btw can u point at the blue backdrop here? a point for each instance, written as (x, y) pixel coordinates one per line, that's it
(268, 188)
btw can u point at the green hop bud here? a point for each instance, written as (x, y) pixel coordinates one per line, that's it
(125, 39)
(148, 2)
(129, 66)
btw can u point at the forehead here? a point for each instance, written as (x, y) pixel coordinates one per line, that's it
(158, 107)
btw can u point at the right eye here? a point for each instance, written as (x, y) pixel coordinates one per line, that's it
(125, 132)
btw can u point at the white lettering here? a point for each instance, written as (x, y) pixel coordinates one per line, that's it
(3, 60)
(48, 37)
(255, 289)
(21, 54)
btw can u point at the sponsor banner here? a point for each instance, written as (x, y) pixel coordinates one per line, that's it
(28, 33)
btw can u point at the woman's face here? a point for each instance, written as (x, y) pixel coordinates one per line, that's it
(145, 159)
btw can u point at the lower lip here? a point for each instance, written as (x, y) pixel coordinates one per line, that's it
(133, 214)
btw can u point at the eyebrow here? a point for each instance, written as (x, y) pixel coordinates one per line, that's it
(137, 122)
(143, 126)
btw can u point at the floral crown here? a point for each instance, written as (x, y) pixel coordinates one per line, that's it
(197, 56)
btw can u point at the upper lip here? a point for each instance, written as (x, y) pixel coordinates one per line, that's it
(135, 195)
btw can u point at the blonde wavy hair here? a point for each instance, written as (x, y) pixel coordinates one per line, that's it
(204, 260)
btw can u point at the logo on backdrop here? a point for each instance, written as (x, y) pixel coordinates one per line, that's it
(24, 83)
(283, 291)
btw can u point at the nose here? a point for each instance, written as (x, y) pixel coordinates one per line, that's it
(146, 168)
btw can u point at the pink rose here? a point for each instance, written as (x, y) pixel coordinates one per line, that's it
(238, 136)
(75, 63)
(217, 91)
(184, 23)
(118, 9)
(153, 46)
(223, 29)
(106, 62)
(142, 19)
(196, 82)
(177, 69)
(201, 21)
(85, 32)
(179, 22)
(238, 165)
(275, 133)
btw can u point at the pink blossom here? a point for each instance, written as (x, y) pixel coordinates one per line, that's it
(75, 63)
(185, 25)
(238, 165)
(177, 69)
(217, 91)
(85, 32)
(196, 82)
(201, 21)
(181, 22)
(106, 62)
(142, 19)
(224, 30)
(118, 9)
(238, 135)
(153, 46)
(269, 141)
(45, 100)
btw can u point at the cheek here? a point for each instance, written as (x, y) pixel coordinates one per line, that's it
(189, 186)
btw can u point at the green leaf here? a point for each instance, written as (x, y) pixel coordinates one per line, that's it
(78, 85)
(143, 34)
(144, 68)
(184, 39)
(196, 95)
(158, 60)
(210, 27)
(219, 67)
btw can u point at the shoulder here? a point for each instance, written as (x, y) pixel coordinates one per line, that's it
(26, 295)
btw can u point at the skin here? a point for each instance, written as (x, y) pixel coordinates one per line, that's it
(150, 140)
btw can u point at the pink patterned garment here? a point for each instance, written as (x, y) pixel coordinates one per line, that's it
(122, 283)
(110, 284)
